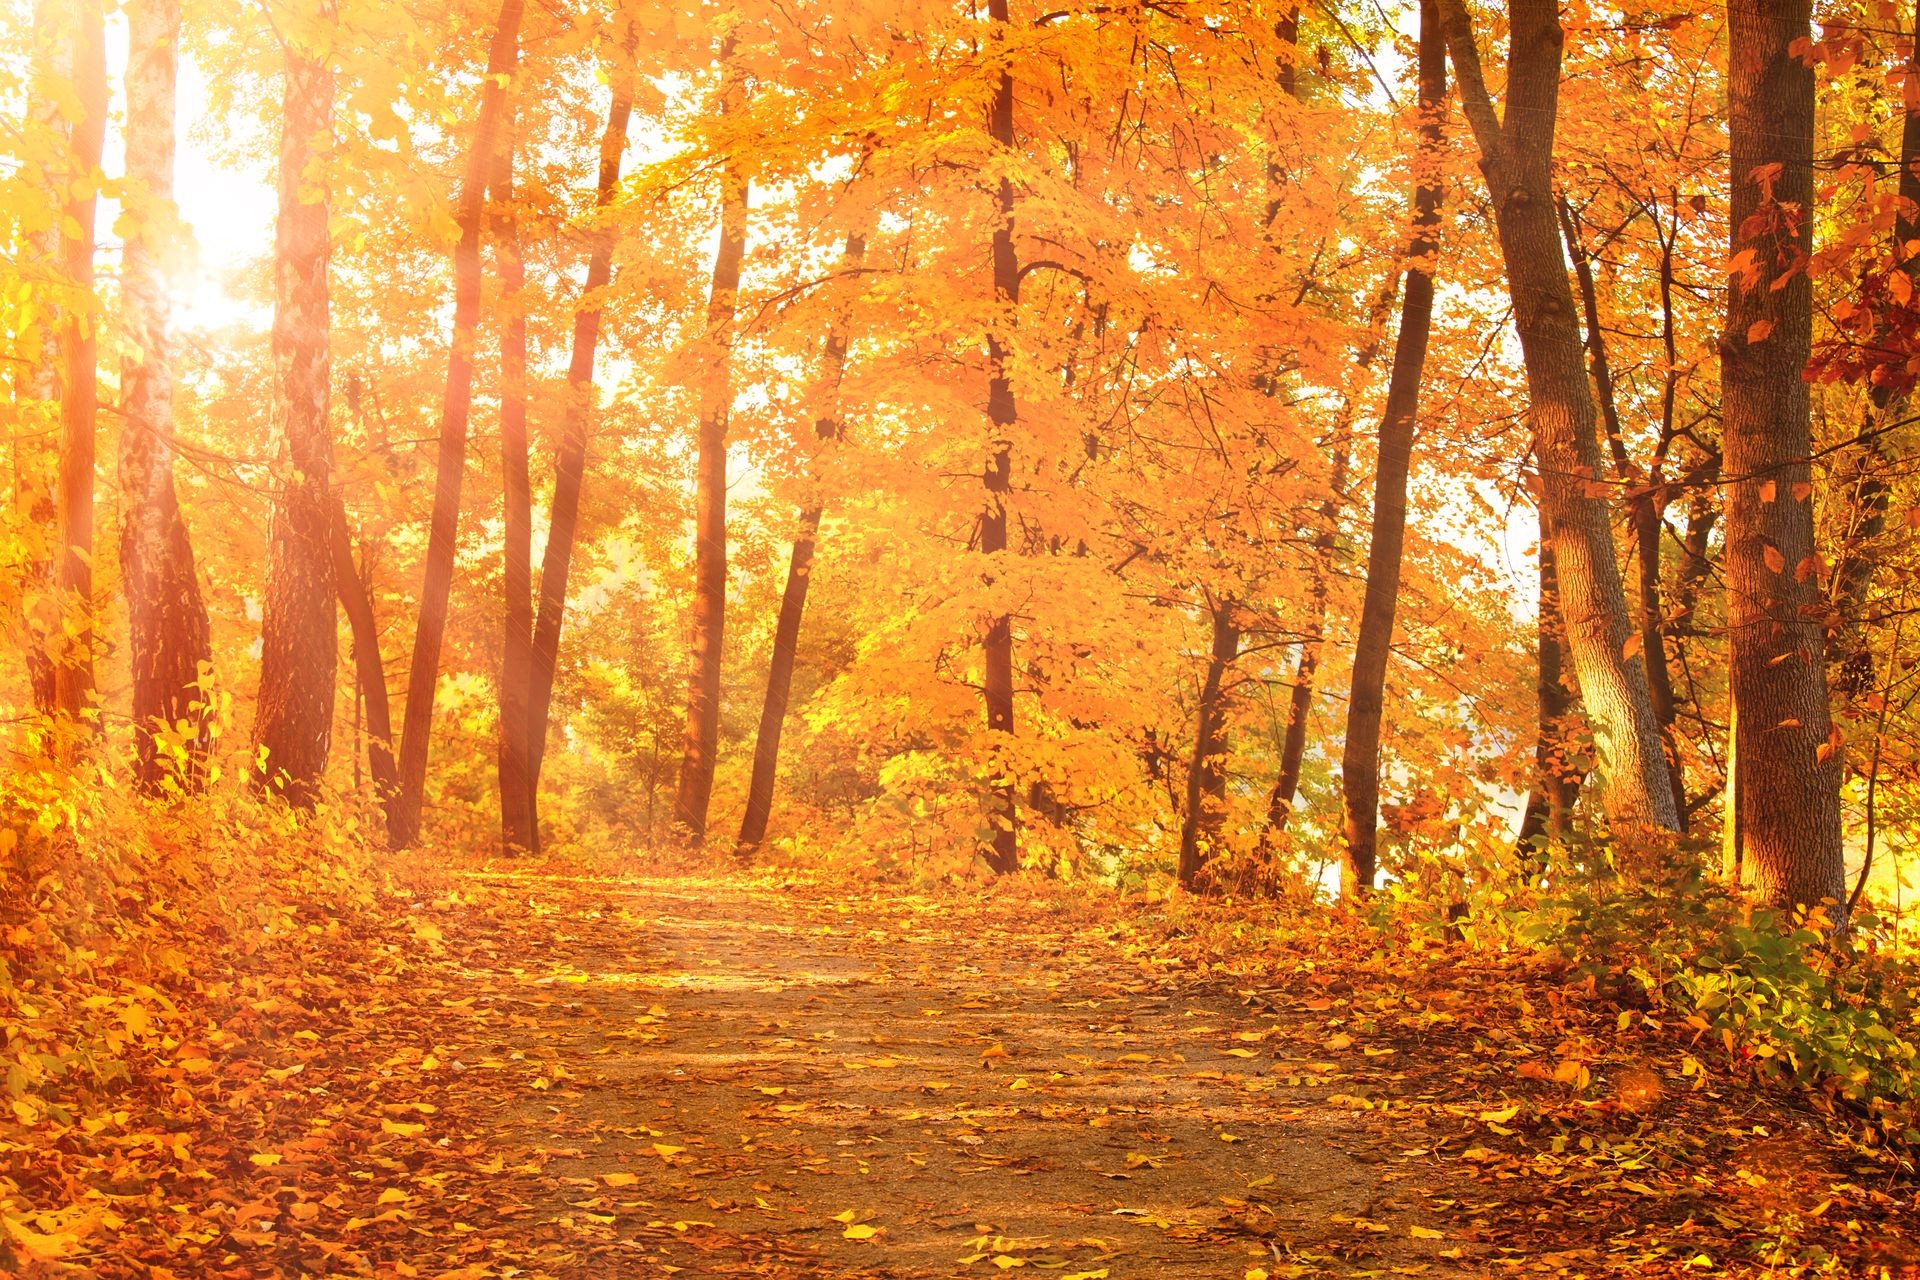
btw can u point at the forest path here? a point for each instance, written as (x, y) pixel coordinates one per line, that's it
(735, 1079)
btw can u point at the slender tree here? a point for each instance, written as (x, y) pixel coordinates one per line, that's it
(1556, 782)
(79, 387)
(293, 721)
(1360, 759)
(1003, 853)
(518, 830)
(1206, 768)
(370, 673)
(1516, 157)
(570, 461)
(793, 599)
(1787, 789)
(167, 618)
(423, 677)
(702, 741)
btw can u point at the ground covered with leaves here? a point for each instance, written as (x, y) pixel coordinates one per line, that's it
(554, 1071)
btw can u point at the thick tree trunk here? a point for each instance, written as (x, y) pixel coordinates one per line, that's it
(166, 617)
(1373, 645)
(793, 600)
(369, 671)
(518, 831)
(79, 388)
(1206, 769)
(1788, 791)
(1556, 784)
(570, 462)
(293, 721)
(701, 744)
(423, 677)
(1517, 160)
(1003, 852)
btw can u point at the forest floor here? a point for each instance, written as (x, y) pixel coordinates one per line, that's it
(583, 1076)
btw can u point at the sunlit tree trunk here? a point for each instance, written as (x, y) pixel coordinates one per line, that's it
(702, 741)
(793, 600)
(1003, 852)
(517, 827)
(1788, 790)
(1206, 768)
(369, 671)
(1373, 643)
(167, 618)
(570, 461)
(423, 676)
(79, 388)
(1516, 156)
(293, 720)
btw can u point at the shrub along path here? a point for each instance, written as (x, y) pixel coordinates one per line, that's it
(538, 1073)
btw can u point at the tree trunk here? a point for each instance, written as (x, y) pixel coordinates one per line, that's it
(370, 673)
(793, 600)
(1373, 645)
(293, 721)
(423, 677)
(1003, 852)
(570, 462)
(1206, 770)
(1788, 792)
(166, 617)
(1556, 785)
(518, 831)
(1517, 160)
(702, 742)
(79, 389)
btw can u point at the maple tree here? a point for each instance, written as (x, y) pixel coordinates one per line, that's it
(1353, 499)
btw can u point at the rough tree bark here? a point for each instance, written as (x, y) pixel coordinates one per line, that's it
(293, 720)
(793, 600)
(79, 388)
(1206, 768)
(1003, 852)
(702, 741)
(166, 616)
(423, 677)
(570, 461)
(1516, 157)
(1787, 792)
(518, 831)
(1373, 644)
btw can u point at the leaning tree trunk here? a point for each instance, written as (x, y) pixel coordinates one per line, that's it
(793, 600)
(423, 677)
(293, 720)
(79, 389)
(570, 461)
(1206, 770)
(702, 741)
(1556, 783)
(1003, 852)
(1516, 156)
(1788, 789)
(166, 616)
(370, 672)
(1373, 644)
(518, 831)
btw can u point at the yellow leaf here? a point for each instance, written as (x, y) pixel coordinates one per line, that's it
(619, 1179)
(402, 1128)
(1426, 1233)
(666, 1152)
(1501, 1116)
(860, 1231)
(265, 1159)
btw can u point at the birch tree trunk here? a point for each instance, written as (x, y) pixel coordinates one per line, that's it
(79, 388)
(166, 616)
(423, 676)
(701, 744)
(793, 599)
(1788, 789)
(1373, 644)
(293, 720)
(1516, 157)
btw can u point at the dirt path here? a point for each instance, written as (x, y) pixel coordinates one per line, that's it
(735, 1080)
